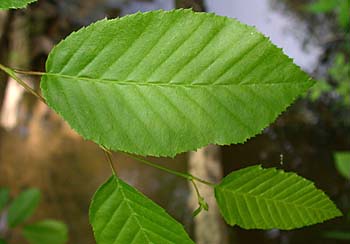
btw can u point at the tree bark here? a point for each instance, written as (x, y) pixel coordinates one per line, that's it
(209, 227)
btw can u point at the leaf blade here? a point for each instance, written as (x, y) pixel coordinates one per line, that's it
(14, 4)
(23, 206)
(257, 198)
(4, 197)
(46, 231)
(342, 163)
(119, 213)
(171, 84)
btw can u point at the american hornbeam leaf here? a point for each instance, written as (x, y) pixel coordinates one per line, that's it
(257, 198)
(121, 214)
(164, 82)
(12, 4)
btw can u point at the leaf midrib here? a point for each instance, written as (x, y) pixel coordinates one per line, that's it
(177, 84)
(143, 230)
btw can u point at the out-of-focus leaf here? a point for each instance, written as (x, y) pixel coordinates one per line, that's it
(338, 235)
(2, 241)
(4, 197)
(322, 6)
(344, 14)
(46, 232)
(342, 163)
(13, 4)
(23, 206)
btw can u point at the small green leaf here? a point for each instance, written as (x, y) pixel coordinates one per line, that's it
(164, 82)
(46, 231)
(23, 207)
(342, 163)
(2, 241)
(13, 4)
(4, 197)
(257, 198)
(121, 214)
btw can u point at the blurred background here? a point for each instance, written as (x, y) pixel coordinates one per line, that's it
(38, 149)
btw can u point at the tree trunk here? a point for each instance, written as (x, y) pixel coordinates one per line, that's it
(209, 227)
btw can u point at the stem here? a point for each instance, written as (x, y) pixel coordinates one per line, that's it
(29, 72)
(186, 176)
(109, 159)
(12, 74)
(196, 189)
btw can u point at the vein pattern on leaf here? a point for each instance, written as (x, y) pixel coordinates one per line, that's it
(121, 214)
(257, 198)
(160, 83)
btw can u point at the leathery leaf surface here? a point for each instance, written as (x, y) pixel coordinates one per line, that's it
(164, 82)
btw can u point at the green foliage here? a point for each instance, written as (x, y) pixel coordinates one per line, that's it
(257, 198)
(342, 163)
(46, 231)
(339, 74)
(340, 7)
(121, 214)
(160, 83)
(23, 207)
(4, 197)
(13, 4)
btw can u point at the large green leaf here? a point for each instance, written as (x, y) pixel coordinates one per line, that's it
(342, 163)
(46, 231)
(257, 198)
(9, 4)
(4, 197)
(160, 83)
(120, 214)
(23, 207)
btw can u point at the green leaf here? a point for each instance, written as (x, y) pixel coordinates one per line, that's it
(23, 207)
(342, 163)
(257, 198)
(4, 197)
(13, 4)
(164, 82)
(2, 241)
(121, 214)
(47, 231)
